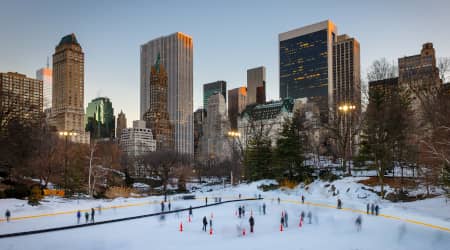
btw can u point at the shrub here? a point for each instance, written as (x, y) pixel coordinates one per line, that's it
(35, 195)
(114, 192)
(288, 183)
(19, 191)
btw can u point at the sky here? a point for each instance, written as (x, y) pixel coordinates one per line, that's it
(229, 36)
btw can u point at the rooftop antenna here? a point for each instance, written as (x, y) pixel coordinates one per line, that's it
(48, 62)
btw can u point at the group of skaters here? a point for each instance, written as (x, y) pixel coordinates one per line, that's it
(373, 209)
(87, 215)
(163, 206)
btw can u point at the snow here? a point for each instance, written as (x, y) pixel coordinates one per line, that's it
(330, 228)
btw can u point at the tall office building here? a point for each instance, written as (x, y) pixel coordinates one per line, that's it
(45, 75)
(176, 55)
(121, 124)
(306, 64)
(68, 88)
(100, 119)
(212, 88)
(256, 77)
(157, 117)
(237, 100)
(20, 97)
(199, 118)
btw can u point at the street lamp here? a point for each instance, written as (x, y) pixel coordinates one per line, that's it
(66, 135)
(347, 108)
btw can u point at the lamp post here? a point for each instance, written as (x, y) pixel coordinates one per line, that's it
(66, 134)
(234, 135)
(347, 108)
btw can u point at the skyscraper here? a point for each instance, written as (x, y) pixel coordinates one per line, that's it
(176, 55)
(20, 97)
(45, 75)
(157, 117)
(68, 88)
(212, 88)
(100, 120)
(121, 124)
(199, 118)
(306, 64)
(256, 77)
(237, 100)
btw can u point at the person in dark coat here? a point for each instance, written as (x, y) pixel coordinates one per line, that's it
(302, 216)
(240, 211)
(358, 223)
(264, 208)
(86, 216)
(78, 216)
(8, 215)
(282, 220)
(190, 210)
(339, 204)
(92, 215)
(309, 217)
(278, 200)
(243, 210)
(210, 224)
(169, 205)
(372, 209)
(205, 223)
(252, 223)
(285, 219)
(303, 199)
(368, 208)
(377, 208)
(206, 200)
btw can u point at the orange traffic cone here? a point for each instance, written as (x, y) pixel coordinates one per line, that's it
(181, 227)
(281, 227)
(243, 232)
(189, 218)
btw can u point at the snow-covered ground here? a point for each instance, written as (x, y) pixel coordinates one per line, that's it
(330, 228)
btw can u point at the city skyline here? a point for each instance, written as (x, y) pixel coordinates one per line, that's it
(124, 29)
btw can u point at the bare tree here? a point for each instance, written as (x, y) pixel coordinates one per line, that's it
(381, 69)
(443, 64)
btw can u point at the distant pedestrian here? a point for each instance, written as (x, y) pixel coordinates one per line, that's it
(285, 219)
(372, 209)
(162, 206)
(210, 224)
(278, 200)
(92, 215)
(368, 208)
(309, 217)
(240, 211)
(169, 206)
(264, 208)
(206, 201)
(377, 208)
(251, 221)
(190, 210)
(240, 196)
(358, 223)
(205, 223)
(8, 215)
(86, 216)
(243, 210)
(302, 216)
(78, 216)
(339, 204)
(259, 196)
(282, 220)
(303, 199)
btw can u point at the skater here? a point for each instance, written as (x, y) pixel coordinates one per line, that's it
(302, 216)
(368, 207)
(372, 209)
(285, 219)
(7, 215)
(309, 217)
(282, 220)
(259, 196)
(92, 215)
(210, 224)
(339, 204)
(86, 216)
(243, 211)
(240, 196)
(240, 211)
(162, 206)
(169, 205)
(376, 210)
(206, 201)
(303, 199)
(190, 210)
(264, 208)
(358, 223)
(279, 200)
(78, 216)
(252, 223)
(205, 223)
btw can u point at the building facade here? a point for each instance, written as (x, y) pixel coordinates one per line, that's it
(214, 143)
(212, 88)
(157, 117)
(256, 78)
(121, 124)
(199, 119)
(266, 118)
(21, 97)
(68, 88)
(385, 86)
(176, 55)
(306, 64)
(45, 75)
(100, 120)
(237, 100)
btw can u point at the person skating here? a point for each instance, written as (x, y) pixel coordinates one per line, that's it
(372, 209)
(210, 224)
(86, 216)
(278, 200)
(282, 220)
(162, 206)
(190, 211)
(368, 208)
(78, 216)
(252, 223)
(302, 216)
(376, 210)
(264, 208)
(243, 210)
(339, 204)
(240, 196)
(358, 223)
(303, 199)
(206, 201)
(309, 217)
(8, 215)
(285, 219)
(92, 215)
(240, 211)
(169, 205)
(205, 223)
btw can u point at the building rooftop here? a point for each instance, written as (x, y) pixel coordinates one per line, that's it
(69, 39)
